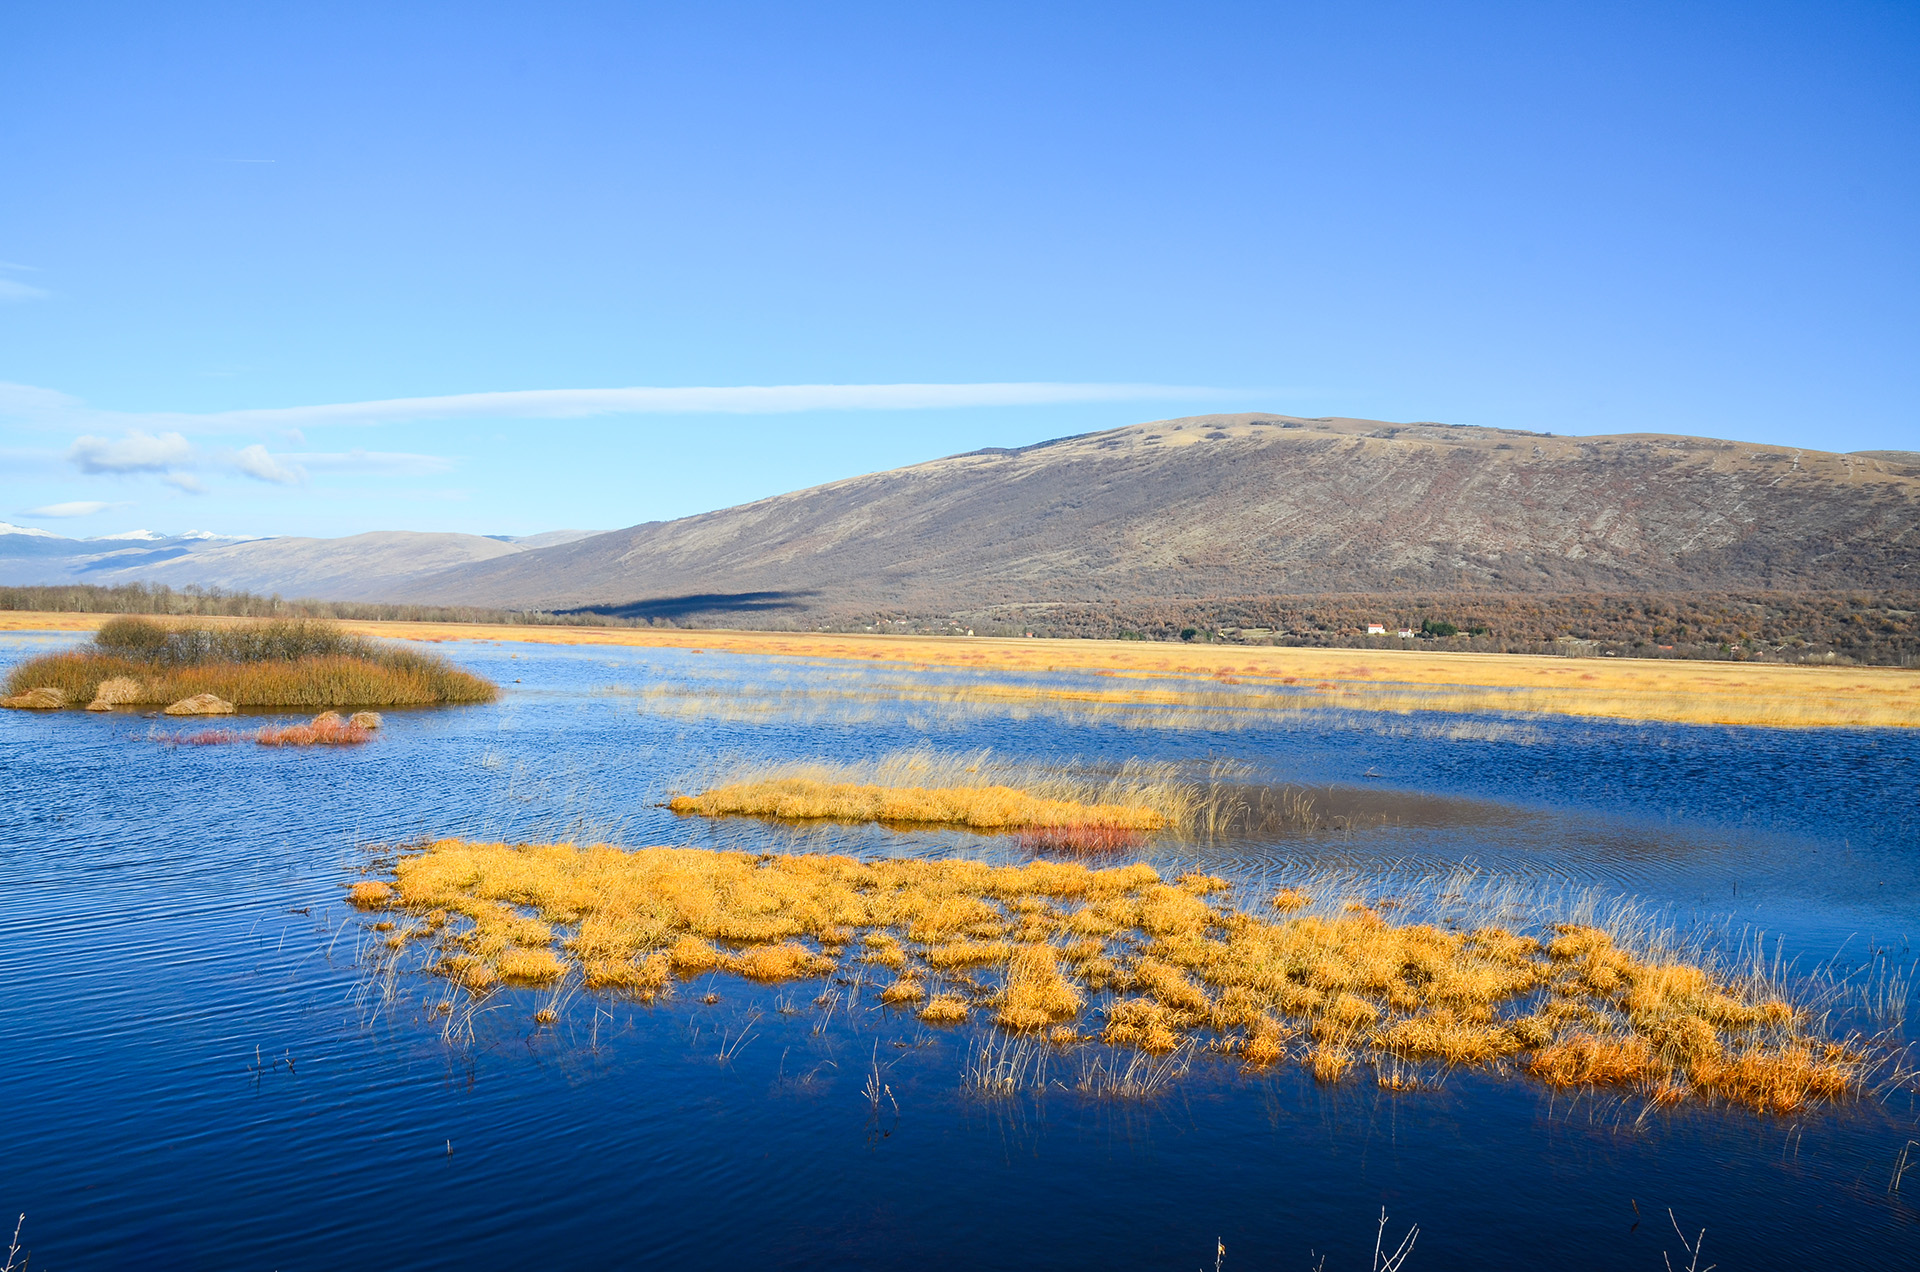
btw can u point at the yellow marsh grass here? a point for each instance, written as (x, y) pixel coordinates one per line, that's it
(1035, 944)
(975, 807)
(979, 790)
(1862, 698)
(1393, 680)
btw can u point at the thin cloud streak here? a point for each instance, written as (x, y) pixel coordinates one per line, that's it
(76, 508)
(372, 463)
(28, 404)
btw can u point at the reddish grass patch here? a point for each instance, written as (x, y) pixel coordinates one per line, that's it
(1081, 839)
(326, 729)
(323, 730)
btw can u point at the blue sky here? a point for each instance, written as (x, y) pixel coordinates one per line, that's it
(215, 220)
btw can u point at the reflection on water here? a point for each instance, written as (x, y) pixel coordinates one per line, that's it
(201, 1074)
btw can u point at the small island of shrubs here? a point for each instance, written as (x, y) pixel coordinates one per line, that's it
(138, 662)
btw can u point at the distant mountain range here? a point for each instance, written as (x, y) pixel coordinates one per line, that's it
(363, 567)
(1212, 506)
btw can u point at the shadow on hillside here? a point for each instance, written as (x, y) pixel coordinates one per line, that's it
(699, 603)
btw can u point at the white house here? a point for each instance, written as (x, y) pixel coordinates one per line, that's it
(1376, 629)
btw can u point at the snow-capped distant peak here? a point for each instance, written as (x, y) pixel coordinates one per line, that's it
(7, 527)
(145, 535)
(209, 534)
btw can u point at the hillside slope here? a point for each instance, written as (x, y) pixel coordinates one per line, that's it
(1251, 505)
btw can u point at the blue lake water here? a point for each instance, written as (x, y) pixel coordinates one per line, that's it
(198, 1072)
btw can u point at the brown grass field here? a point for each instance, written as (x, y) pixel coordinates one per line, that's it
(1374, 680)
(1157, 965)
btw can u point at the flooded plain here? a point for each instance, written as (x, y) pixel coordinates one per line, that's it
(210, 1065)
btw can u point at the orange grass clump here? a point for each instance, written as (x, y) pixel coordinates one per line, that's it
(325, 729)
(975, 807)
(1035, 944)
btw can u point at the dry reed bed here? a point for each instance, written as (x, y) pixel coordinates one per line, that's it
(1050, 947)
(294, 664)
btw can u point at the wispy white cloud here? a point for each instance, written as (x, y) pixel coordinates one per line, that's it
(254, 461)
(175, 459)
(136, 452)
(373, 463)
(75, 508)
(28, 404)
(12, 291)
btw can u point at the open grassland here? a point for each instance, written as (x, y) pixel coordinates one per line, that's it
(1291, 679)
(139, 662)
(1065, 954)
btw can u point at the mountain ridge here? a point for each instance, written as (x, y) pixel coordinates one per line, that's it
(1163, 512)
(1257, 504)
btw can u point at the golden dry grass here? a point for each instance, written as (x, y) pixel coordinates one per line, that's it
(1071, 809)
(1036, 945)
(975, 807)
(1393, 680)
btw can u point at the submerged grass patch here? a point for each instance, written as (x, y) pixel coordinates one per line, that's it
(138, 662)
(1081, 839)
(1154, 966)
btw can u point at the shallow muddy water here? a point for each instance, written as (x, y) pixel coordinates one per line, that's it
(199, 1072)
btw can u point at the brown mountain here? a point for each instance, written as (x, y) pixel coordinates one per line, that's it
(1240, 505)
